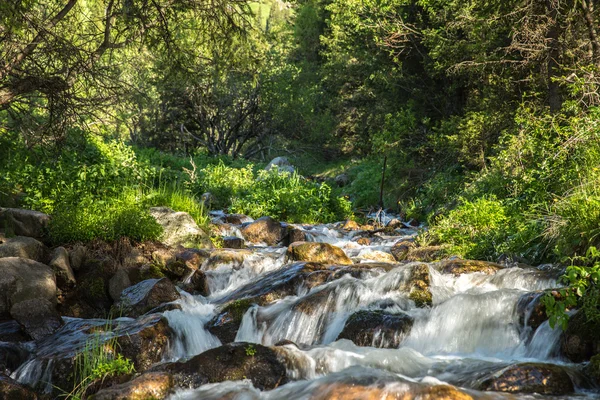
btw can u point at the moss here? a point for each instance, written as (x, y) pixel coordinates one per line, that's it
(422, 298)
(238, 308)
(153, 271)
(96, 288)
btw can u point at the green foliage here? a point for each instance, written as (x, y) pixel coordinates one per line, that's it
(582, 278)
(106, 218)
(279, 195)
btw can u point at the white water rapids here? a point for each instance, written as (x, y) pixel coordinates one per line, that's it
(471, 329)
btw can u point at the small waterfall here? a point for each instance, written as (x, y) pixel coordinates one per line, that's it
(191, 338)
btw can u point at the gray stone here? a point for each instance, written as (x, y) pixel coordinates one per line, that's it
(22, 279)
(119, 282)
(342, 180)
(145, 296)
(24, 247)
(61, 265)
(282, 164)
(180, 229)
(77, 256)
(38, 317)
(24, 222)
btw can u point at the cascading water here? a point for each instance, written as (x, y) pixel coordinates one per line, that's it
(471, 329)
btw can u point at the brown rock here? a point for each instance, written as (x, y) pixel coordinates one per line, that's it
(351, 226)
(546, 379)
(264, 230)
(459, 267)
(376, 328)
(580, 341)
(233, 258)
(12, 390)
(400, 250)
(233, 242)
(24, 247)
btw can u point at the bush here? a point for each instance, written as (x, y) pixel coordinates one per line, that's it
(291, 198)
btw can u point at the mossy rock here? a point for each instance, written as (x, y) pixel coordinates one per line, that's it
(227, 323)
(546, 379)
(419, 286)
(458, 267)
(593, 369)
(426, 253)
(318, 252)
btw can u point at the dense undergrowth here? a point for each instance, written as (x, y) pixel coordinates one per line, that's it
(102, 189)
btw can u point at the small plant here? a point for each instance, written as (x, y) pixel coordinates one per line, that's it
(250, 350)
(98, 361)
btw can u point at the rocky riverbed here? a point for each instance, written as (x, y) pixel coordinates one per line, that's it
(337, 311)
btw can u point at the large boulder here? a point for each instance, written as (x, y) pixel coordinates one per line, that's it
(458, 267)
(61, 265)
(581, 340)
(24, 222)
(264, 230)
(282, 164)
(232, 362)
(180, 229)
(233, 242)
(147, 343)
(38, 317)
(150, 385)
(24, 247)
(145, 296)
(365, 391)
(318, 252)
(119, 282)
(546, 379)
(13, 390)
(22, 279)
(376, 328)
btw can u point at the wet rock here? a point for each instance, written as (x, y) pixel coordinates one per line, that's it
(531, 310)
(146, 295)
(24, 247)
(237, 219)
(150, 385)
(11, 357)
(232, 258)
(547, 379)
(13, 390)
(232, 362)
(282, 164)
(61, 265)
(295, 235)
(38, 317)
(418, 285)
(351, 226)
(342, 179)
(11, 331)
(458, 267)
(581, 340)
(376, 255)
(180, 229)
(77, 257)
(22, 279)
(119, 282)
(264, 230)
(400, 250)
(198, 284)
(24, 222)
(227, 323)
(405, 391)
(233, 242)
(317, 252)
(91, 297)
(376, 328)
(363, 241)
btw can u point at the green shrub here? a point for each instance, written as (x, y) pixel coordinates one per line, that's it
(178, 199)
(292, 198)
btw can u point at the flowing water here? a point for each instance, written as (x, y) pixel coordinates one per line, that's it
(471, 330)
